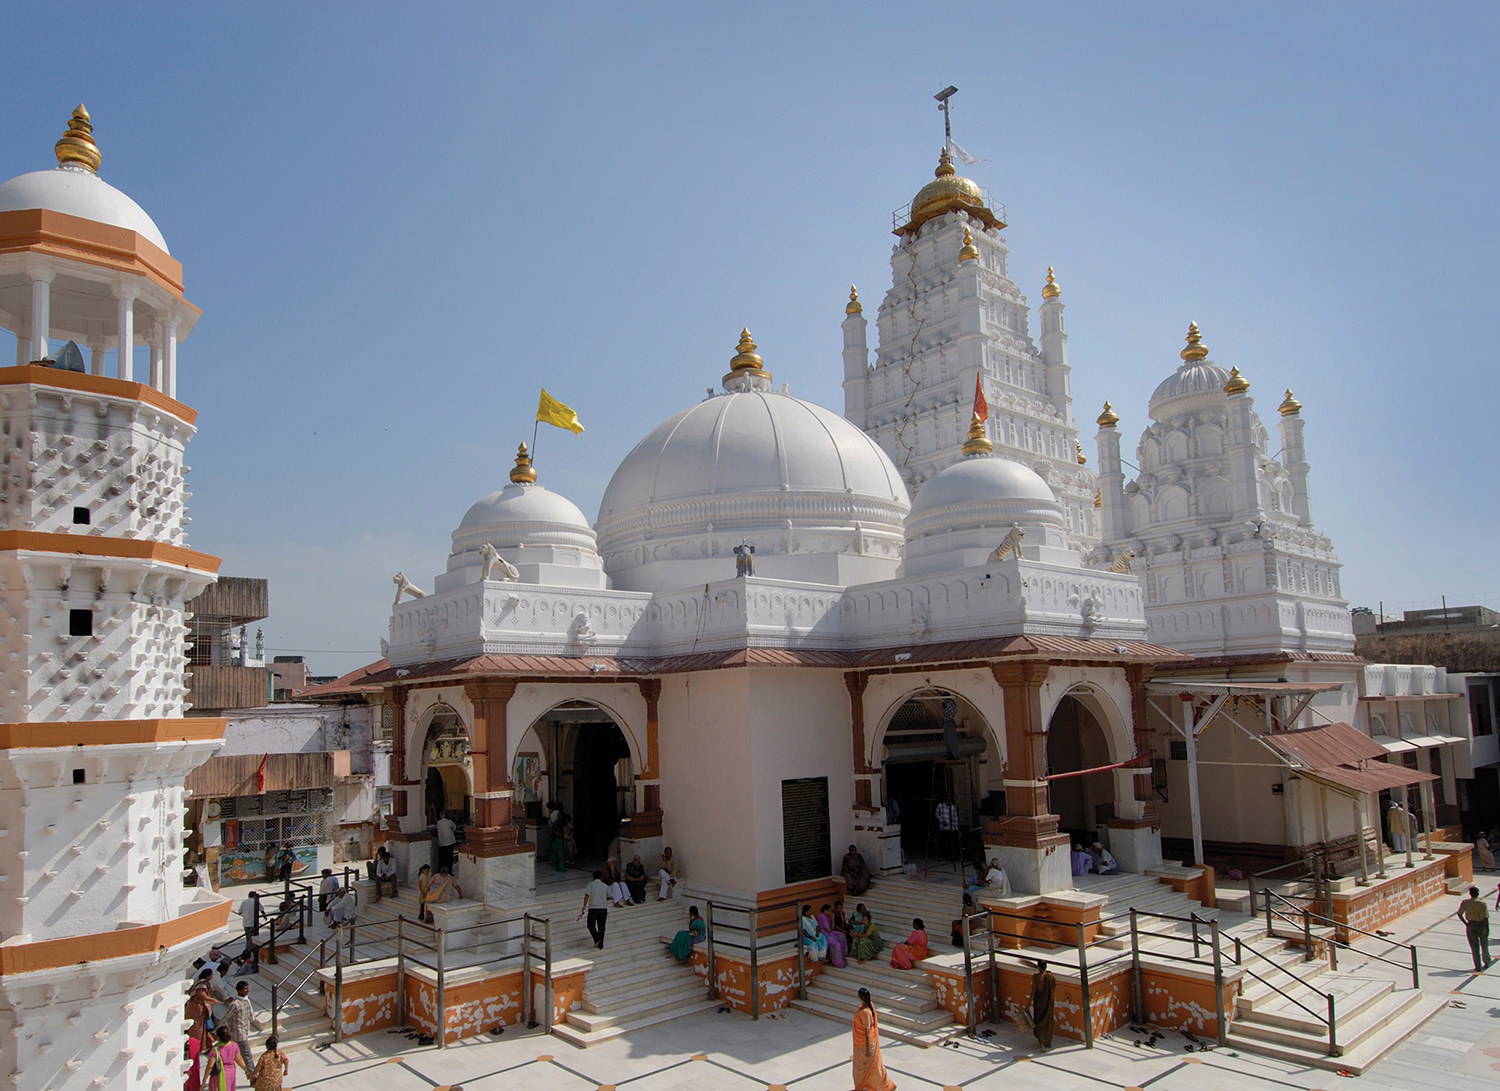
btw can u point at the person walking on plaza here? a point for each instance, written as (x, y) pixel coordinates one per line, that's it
(286, 863)
(869, 1069)
(221, 1057)
(447, 840)
(271, 1069)
(239, 1019)
(596, 905)
(1476, 917)
(1043, 988)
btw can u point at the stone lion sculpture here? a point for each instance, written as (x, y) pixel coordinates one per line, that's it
(494, 563)
(404, 586)
(1011, 543)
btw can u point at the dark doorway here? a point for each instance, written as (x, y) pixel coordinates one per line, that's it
(1075, 741)
(597, 750)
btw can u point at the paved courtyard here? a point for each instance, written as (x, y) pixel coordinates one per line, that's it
(1457, 1050)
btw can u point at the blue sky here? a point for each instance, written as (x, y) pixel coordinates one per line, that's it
(400, 221)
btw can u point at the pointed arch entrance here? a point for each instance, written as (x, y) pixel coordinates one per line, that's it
(587, 768)
(1082, 746)
(933, 758)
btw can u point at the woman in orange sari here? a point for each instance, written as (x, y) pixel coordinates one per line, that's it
(869, 1069)
(905, 955)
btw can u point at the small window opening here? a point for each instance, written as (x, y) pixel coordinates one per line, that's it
(81, 517)
(78, 777)
(80, 623)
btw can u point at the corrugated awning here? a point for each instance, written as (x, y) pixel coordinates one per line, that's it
(1392, 745)
(1243, 688)
(1343, 758)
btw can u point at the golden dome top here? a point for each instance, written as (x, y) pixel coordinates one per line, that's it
(1108, 418)
(947, 191)
(1196, 349)
(1237, 383)
(854, 307)
(523, 472)
(978, 443)
(969, 251)
(1050, 290)
(76, 148)
(745, 357)
(1291, 406)
(1083, 459)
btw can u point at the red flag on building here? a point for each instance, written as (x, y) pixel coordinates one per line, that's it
(981, 407)
(260, 774)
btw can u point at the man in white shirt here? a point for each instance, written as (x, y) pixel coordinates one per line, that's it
(385, 872)
(596, 905)
(341, 910)
(447, 838)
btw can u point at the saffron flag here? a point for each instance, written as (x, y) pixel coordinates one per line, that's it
(981, 407)
(551, 411)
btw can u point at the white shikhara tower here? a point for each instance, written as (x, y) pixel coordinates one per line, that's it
(96, 928)
(1220, 531)
(953, 313)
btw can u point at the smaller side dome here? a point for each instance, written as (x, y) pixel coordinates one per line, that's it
(961, 515)
(1197, 381)
(541, 533)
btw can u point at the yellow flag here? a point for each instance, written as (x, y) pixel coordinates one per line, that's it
(551, 411)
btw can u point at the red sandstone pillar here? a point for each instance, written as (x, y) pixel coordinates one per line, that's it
(493, 834)
(1027, 822)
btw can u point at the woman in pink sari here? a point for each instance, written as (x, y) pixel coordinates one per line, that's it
(838, 943)
(906, 955)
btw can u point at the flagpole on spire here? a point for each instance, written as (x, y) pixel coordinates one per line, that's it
(943, 96)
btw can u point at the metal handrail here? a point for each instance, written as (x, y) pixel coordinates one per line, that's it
(1331, 1022)
(277, 1004)
(755, 946)
(1334, 941)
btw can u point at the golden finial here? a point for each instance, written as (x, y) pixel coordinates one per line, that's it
(1083, 459)
(1291, 407)
(746, 358)
(1108, 418)
(969, 251)
(1098, 498)
(978, 443)
(1196, 349)
(523, 473)
(77, 147)
(1237, 383)
(1050, 290)
(854, 307)
(945, 166)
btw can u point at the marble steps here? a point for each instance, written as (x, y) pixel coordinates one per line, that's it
(904, 1001)
(1365, 1035)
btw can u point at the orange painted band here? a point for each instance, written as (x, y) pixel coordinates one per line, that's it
(57, 234)
(81, 383)
(97, 545)
(109, 732)
(51, 954)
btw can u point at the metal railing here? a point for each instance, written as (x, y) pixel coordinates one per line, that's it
(724, 916)
(278, 1000)
(1333, 941)
(1089, 965)
(1330, 1020)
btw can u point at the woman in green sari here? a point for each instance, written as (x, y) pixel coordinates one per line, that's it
(864, 940)
(683, 942)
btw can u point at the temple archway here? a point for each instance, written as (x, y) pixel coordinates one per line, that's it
(447, 780)
(937, 750)
(584, 762)
(1080, 749)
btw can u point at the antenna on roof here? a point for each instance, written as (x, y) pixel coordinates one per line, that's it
(943, 96)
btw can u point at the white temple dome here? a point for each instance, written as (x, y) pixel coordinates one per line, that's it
(817, 498)
(81, 193)
(964, 512)
(1198, 382)
(539, 532)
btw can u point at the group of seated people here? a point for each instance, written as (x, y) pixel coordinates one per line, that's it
(629, 887)
(832, 936)
(1097, 859)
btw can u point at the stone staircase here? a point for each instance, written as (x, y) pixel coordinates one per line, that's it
(1272, 1016)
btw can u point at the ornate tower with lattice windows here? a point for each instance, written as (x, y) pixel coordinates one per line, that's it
(97, 927)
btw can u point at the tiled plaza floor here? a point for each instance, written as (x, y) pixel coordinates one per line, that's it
(1458, 1050)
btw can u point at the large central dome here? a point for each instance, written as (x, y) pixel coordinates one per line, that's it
(815, 496)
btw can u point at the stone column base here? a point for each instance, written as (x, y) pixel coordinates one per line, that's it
(410, 856)
(1137, 848)
(647, 848)
(506, 880)
(1040, 870)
